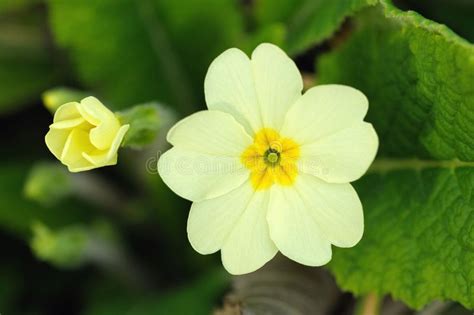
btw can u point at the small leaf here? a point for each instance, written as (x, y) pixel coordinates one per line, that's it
(48, 183)
(64, 248)
(144, 121)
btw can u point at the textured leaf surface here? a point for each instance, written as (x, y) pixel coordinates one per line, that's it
(134, 51)
(419, 78)
(457, 14)
(419, 236)
(308, 22)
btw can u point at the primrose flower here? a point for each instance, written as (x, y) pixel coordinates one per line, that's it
(268, 169)
(85, 135)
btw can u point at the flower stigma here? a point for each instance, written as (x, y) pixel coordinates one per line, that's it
(271, 159)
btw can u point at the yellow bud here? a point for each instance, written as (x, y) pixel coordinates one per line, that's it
(85, 135)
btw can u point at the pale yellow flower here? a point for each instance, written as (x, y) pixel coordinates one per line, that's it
(85, 135)
(269, 169)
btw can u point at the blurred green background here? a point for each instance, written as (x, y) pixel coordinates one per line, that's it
(113, 240)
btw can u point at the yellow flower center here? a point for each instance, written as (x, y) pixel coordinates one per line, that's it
(271, 159)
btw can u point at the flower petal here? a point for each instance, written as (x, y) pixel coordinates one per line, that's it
(55, 140)
(196, 176)
(103, 135)
(94, 111)
(336, 209)
(323, 110)
(100, 158)
(294, 230)
(109, 157)
(211, 221)
(248, 246)
(107, 125)
(229, 87)
(117, 141)
(81, 165)
(278, 83)
(341, 157)
(68, 124)
(210, 132)
(76, 144)
(256, 92)
(66, 112)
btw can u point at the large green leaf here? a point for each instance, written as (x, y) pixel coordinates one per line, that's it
(308, 22)
(419, 237)
(457, 14)
(419, 78)
(134, 51)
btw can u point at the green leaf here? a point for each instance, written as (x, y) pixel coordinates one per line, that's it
(64, 248)
(273, 33)
(144, 121)
(308, 22)
(457, 14)
(418, 76)
(416, 73)
(134, 51)
(419, 237)
(48, 183)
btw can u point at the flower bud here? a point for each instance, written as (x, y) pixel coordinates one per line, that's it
(48, 183)
(64, 248)
(56, 97)
(85, 135)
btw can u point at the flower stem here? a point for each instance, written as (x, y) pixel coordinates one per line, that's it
(368, 305)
